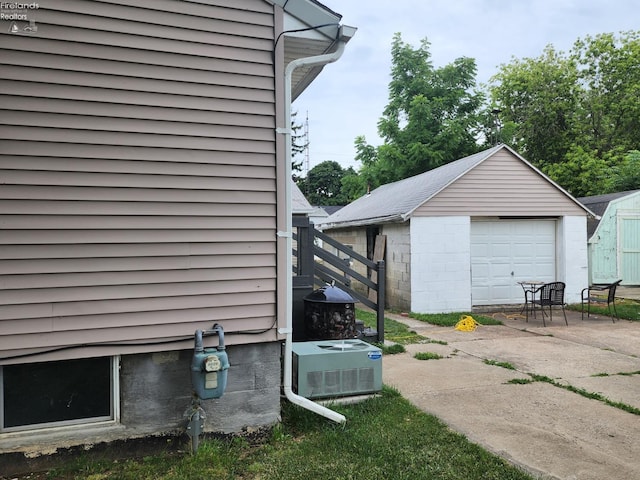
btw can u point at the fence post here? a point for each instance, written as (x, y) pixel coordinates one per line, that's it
(382, 285)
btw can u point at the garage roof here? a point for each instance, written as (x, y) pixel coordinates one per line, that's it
(396, 202)
(598, 204)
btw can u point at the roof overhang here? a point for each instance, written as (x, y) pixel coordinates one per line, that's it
(310, 29)
(363, 222)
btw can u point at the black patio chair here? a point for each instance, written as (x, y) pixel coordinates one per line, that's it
(550, 295)
(588, 297)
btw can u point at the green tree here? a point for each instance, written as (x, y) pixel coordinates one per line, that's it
(431, 118)
(610, 81)
(626, 176)
(538, 97)
(323, 184)
(298, 146)
(353, 186)
(582, 174)
(573, 115)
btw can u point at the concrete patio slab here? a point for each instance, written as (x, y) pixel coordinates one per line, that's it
(547, 430)
(553, 357)
(617, 388)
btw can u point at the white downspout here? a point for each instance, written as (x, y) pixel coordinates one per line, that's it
(288, 331)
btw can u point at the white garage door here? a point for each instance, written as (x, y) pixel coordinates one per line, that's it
(504, 252)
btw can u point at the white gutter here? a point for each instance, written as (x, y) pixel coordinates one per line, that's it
(288, 234)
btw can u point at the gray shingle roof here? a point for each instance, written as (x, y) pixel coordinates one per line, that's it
(598, 204)
(396, 201)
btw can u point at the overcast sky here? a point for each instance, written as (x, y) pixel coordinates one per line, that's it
(347, 98)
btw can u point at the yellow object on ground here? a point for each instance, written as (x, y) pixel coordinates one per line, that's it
(466, 324)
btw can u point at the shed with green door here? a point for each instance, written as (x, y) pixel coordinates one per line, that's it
(614, 238)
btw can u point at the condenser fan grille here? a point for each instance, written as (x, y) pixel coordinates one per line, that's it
(335, 382)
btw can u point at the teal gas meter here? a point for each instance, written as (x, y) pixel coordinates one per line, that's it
(209, 366)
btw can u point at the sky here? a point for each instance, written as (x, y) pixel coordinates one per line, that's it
(347, 99)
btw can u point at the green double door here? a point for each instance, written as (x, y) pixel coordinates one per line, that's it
(629, 250)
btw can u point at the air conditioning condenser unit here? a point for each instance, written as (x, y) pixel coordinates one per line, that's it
(336, 368)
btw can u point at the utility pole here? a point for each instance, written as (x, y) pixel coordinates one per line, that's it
(496, 126)
(306, 145)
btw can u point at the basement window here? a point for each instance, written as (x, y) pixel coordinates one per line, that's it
(52, 394)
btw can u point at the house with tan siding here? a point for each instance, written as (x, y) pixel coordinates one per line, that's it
(144, 176)
(464, 234)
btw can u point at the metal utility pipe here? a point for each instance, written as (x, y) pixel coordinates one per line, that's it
(288, 234)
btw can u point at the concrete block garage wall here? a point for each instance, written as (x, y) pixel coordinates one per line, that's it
(398, 263)
(573, 257)
(397, 258)
(357, 240)
(440, 259)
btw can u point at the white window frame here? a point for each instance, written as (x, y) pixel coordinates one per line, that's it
(109, 420)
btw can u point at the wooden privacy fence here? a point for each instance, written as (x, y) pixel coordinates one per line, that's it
(319, 259)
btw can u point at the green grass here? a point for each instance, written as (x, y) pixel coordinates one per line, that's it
(520, 381)
(384, 437)
(391, 349)
(506, 365)
(398, 332)
(627, 309)
(427, 356)
(450, 319)
(393, 331)
(439, 342)
(624, 374)
(580, 391)
(214, 459)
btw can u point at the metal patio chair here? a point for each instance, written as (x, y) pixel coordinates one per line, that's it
(550, 295)
(588, 297)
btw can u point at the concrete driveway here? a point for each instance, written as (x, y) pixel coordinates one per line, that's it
(547, 430)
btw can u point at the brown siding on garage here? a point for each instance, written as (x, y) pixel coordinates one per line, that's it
(137, 174)
(501, 185)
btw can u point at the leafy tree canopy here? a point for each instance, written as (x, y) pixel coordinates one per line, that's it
(323, 184)
(575, 115)
(431, 118)
(626, 175)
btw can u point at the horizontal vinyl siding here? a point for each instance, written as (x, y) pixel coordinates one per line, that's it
(137, 175)
(502, 185)
(78, 153)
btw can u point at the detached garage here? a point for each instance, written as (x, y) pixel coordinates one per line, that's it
(466, 233)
